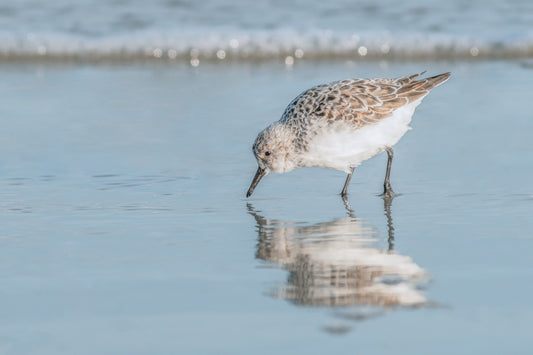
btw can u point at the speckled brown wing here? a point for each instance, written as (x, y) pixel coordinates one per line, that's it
(358, 101)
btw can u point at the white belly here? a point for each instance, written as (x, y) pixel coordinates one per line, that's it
(341, 147)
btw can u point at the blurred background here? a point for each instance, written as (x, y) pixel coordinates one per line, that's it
(126, 129)
(181, 30)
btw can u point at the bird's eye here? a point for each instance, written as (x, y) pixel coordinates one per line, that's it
(267, 153)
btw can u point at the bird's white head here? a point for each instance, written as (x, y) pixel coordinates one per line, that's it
(273, 149)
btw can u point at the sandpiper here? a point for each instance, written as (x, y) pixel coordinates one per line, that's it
(341, 124)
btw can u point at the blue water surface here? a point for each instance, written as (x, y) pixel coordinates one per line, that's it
(124, 227)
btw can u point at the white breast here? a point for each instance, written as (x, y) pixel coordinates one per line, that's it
(340, 146)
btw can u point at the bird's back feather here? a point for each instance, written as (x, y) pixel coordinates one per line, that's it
(358, 102)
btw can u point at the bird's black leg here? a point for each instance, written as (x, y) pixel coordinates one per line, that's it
(387, 189)
(345, 188)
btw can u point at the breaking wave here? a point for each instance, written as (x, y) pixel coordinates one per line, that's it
(287, 45)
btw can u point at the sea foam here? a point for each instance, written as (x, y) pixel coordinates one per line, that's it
(287, 44)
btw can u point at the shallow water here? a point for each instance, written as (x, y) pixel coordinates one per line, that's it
(124, 227)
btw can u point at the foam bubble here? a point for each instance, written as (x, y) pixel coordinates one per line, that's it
(289, 61)
(221, 54)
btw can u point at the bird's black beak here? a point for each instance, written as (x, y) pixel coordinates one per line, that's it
(258, 176)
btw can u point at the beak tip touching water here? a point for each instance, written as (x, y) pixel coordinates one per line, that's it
(250, 191)
(258, 176)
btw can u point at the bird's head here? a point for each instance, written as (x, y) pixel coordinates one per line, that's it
(272, 150)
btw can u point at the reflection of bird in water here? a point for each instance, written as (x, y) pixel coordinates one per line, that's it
(337, 263)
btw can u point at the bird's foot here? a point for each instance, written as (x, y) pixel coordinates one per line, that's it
(387, 191)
